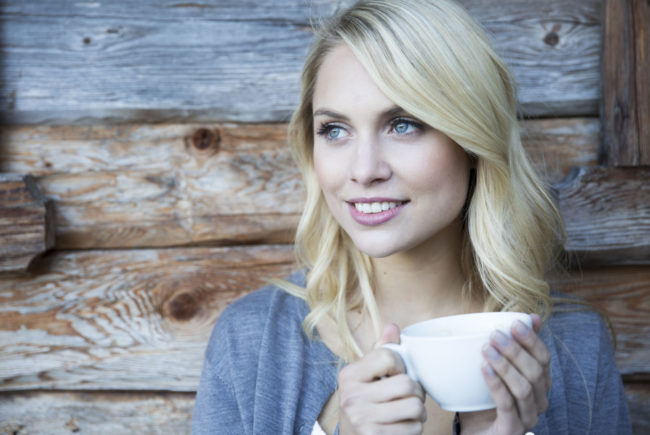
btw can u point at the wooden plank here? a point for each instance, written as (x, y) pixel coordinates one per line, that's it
(63, 412)
(607, 214)
(156, 61)
(26, 222)
(123, 320)
(160, 185)
(557, 145)
(638, 399)
(140, 319)
(176, 184)
(625, 107)
(96, 412)
(623, 294)
(641, 14)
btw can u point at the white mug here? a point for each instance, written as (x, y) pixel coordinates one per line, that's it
(444, 356)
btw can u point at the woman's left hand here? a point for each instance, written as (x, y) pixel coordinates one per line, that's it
(517, 371)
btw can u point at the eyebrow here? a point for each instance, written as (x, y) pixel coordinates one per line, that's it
(393, 111)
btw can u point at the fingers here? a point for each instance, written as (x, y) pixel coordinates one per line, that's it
(376, 396)
(521, 365)
(394, 388)
(508, 419)
(512, 391)
(377, 364)
(533, 346)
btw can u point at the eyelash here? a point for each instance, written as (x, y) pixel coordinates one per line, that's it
(326, 127)
(408, 121)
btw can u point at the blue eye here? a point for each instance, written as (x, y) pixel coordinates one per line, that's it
(405, 126)
(333, 132)
(401, 127)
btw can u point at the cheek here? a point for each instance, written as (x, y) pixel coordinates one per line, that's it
(325, 168)
(446, 173)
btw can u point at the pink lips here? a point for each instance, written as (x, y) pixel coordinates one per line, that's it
(373, 219)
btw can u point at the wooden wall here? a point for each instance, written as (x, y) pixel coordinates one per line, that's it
(156, 132)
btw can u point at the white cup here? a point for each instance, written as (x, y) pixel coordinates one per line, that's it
(444, 356)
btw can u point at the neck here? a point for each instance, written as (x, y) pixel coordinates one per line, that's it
(422, 283)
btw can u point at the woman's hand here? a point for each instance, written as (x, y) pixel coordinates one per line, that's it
(376, 396)
(517, 371)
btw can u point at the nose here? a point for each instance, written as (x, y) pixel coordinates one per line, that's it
(369, 164)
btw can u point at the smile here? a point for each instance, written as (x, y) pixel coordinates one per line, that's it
(375, 207)
(375, 211)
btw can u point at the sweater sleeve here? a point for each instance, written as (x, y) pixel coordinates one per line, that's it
(215, 407)
(223, 387)
(611, 414)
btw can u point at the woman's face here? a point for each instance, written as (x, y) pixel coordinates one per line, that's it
(391, 182)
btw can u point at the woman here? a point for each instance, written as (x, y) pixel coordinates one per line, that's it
(420, 204)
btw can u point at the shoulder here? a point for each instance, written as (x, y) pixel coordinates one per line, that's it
(577, 324)
(262, 305)
(583, 367)
(242, 325)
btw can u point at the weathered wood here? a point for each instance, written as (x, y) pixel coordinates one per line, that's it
(607, 214)
(26, 222)
(123, 320)
(95, 413)
(555, 146)
(62, 413)
(140, 319)
(158, 61)
(625, 106)
(638, 398)
(622, 293)
(162, 185)
(170, 185)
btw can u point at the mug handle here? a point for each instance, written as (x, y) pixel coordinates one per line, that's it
(401, 351)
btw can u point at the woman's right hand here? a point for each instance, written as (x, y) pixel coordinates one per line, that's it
(376, 396)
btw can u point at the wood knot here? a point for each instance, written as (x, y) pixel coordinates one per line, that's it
(552, 38)
(204, 140)
(183, 306)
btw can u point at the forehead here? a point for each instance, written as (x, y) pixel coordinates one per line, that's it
(342, 83)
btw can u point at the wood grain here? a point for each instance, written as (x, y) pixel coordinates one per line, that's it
(162, 61)
(62, 413)
(162, 185)
(625, 106)
(123, 320)
(607, 214)
(26, 222)
(176, 184)
(140, 319)
(95, 413)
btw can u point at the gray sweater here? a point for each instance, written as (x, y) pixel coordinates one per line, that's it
(263, 375)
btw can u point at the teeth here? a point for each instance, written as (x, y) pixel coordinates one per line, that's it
(375, 207)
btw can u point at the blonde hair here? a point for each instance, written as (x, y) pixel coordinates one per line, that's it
(430, 58)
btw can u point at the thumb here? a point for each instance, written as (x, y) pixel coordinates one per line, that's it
(390, 334)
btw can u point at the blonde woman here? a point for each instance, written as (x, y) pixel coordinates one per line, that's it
(420, 204)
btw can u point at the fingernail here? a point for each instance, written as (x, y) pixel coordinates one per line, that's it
(501, 338)
(521, 328)
(489, 370)
(492, 353)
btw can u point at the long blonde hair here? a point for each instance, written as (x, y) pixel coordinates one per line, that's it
(430, 58)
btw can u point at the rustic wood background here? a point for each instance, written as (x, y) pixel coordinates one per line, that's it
(143, 149)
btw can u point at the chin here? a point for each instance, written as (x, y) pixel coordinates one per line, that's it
(377, 248)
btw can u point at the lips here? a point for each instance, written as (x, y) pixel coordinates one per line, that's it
(375, 211)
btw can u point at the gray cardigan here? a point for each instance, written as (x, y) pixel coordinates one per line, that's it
(263, 375)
